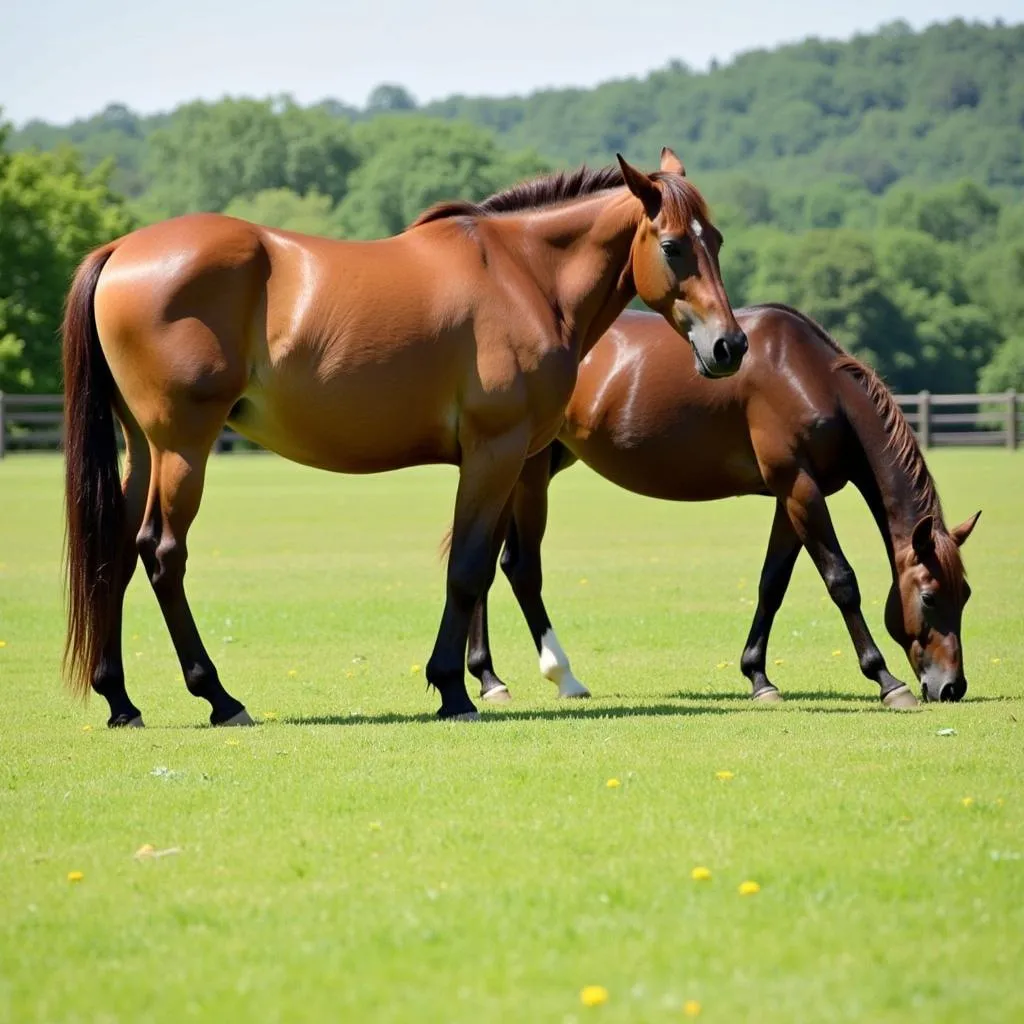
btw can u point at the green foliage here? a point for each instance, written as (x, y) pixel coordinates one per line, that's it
(209, 153)
(311, 214)
(51, 214)
(1006, 370)
(411, 163)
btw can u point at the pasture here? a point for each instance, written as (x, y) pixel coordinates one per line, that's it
(352, 859)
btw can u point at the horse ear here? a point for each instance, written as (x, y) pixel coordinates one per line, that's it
(642, 187)
(923, 537)
(671, 163)
(963, 531)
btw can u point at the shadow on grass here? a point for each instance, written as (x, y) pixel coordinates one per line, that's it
(743, 697)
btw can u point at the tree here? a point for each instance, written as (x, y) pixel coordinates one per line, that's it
(389, 99)
(1005, 371)
(311, 214)
(51, 214)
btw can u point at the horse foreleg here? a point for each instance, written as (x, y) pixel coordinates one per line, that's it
(783, 549)
(486, 478)
(812, 523)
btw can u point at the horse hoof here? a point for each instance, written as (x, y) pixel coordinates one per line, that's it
(497, 695)
(900, 699)
(466, 716)
(572, 689)
(768, 695)
(126, 723)
(242, 718)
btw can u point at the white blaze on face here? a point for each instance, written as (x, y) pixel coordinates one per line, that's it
(554, 665)
(695, 229)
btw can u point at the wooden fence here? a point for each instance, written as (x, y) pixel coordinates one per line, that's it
(36, 421)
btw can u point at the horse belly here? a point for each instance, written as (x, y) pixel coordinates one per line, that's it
(367, 418)
(679, 465)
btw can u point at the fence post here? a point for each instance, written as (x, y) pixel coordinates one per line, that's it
(3, 427)
(1011, 420)
(924, 418)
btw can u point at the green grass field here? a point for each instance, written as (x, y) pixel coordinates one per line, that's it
(351, 859)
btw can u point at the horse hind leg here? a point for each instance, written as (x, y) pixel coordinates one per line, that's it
(176, 488)
(108, 679)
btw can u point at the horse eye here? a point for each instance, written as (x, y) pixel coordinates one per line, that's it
(671, 248)
(927, 599)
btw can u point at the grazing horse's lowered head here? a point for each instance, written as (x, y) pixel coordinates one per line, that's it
(924, 611)
(675, 265)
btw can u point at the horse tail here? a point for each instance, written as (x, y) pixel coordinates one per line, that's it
(93, 502)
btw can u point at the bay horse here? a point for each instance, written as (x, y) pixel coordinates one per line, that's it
(798, 422)
(457, 341)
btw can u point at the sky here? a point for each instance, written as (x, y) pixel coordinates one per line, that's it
(62, 59)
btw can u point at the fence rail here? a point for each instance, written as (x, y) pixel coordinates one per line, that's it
(37, 421)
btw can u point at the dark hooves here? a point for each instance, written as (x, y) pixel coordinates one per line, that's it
(900, 699)
(127, 722)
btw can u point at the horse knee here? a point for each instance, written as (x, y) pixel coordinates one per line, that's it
(842, 587)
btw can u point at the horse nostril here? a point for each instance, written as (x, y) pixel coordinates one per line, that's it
(947, 693)
(720, 350)
(741, 344)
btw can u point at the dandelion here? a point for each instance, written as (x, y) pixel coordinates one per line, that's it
(995, 661)
(613, 783)
(594, 995)
(414, 669)
(722, 664)
(749, 888)
(778, 661)
(231, 743)
(584, 581)
(725, 776)
(75, 876)
(701, 874)
(691, 1008)
(968, 801)
(86, 728)
(375, 826)
(270, 716)
(3, 643)
(144, 851)
(837, 654)
(293, 672)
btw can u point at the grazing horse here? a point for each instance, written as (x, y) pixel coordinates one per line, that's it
(456, 342)
(798, 422)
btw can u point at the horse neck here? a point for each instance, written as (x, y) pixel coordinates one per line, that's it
(582, 254)
(892, 492)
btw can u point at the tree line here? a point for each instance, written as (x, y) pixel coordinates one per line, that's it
(877, 184)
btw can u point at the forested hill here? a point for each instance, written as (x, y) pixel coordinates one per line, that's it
(938, 105)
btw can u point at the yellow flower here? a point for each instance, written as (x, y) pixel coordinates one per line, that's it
(967, 801)
(778, 661)
(583, 583)
(995, 661)
(293, 672)
(725, 776)
(722, 664)
(414, 670)
(75, 876)
(836, 654)
(375, 826)
(270, 716)
(593, 995)
(691, 1008)
(613, 783)
(701, 875)
(3, 643)
(231, 743)
(749, 888)
(86, 728)
(146, 850)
